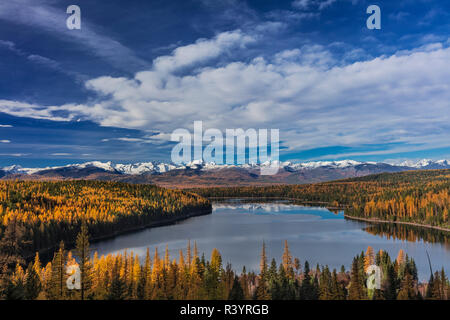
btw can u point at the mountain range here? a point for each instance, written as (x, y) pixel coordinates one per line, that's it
(201, 174)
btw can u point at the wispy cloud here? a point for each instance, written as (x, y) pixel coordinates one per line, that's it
(124, 139)
(61, 154)
(40, 60)
(314, 99)
(14, 154)
(312, 4)
(40, 14)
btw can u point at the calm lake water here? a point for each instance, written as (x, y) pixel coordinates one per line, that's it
(315, 234)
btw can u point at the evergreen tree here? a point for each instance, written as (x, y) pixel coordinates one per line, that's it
(325, 285)
(307, 289)
(434, 287)
(244, 283)
(287, 261)
(236, 293)
(337, 290)
(263, 261)
(58, 288)
(356, 290)
(389, 284)
(33, 284)
(262, 292)
(15, 288)
(369, 258)
(407, 291)
(297, 266)
(117, 290)
(83, 252)
(12, 245)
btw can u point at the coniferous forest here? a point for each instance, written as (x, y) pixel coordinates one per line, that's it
(193, 277)
(51, 212)
(63, 217)
(421, 197)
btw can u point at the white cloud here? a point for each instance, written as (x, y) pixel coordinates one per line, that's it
(302, 4)
(158, 138)
(124, 139)
(22, 109)
(40, 60)
(326, 3)
(310, 4)
(14, 154)
(5, 126)
(202, 50)
(39, 14)
(5, 141)
(61, 154)
(314, 101)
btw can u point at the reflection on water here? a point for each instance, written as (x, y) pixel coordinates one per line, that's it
(275, 208)
(409, 233)
(315, 234)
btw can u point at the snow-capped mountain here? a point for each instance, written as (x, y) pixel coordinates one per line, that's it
(160, 167)
(426, 164)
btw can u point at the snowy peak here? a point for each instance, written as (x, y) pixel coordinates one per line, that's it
(426, 164)
(159, 167)
(143, 167)
(332, 164)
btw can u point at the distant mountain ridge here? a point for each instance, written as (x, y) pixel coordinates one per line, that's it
(199, 173)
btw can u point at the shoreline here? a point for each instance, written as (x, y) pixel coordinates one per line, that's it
(46, 253)
(342, 207)
(322, 204)
(415, 224)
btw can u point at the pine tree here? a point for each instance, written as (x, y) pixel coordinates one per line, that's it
(356, 290)
(216, 261)
(244, 283)
(407, 291)
(287, 261)
(189, 255)
(262, 292)
(389, 285)
(325, 285)
(400, 258)
(12, 245)
(33, 284)
(369, 258)
(263, 261)
(14, 286)
(117, 290)
(297, 266)
(434, 287)
(337, 290)
(236, 293)
(83, 252)
(443, 285)
(58, 288)
(37, 265)
(308, 290)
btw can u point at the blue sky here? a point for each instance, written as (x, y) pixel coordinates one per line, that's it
(137, 70)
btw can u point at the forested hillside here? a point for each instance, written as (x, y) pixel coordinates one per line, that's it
(191, 276)
(415, 196)
(50, 212)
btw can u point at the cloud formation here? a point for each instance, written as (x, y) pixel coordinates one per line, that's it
(40, 14)
(312, 97)
(312, 4)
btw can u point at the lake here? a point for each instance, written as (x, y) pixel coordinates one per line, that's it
(316, 234)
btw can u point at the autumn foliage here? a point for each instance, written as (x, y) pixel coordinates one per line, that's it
(53, 211)
(414, 196)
